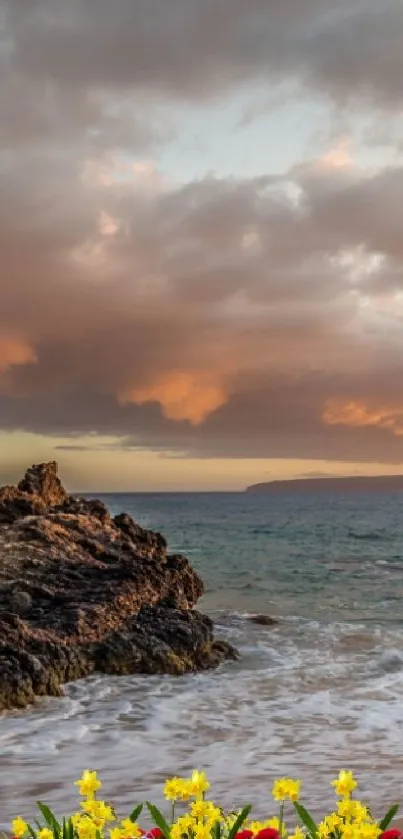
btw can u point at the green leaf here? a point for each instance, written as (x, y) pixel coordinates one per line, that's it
(306, 819)
(50, 819)
(389, 816)
(159, 820)
(31, 831)
(136, 813)
(217, 831)
(243, 815)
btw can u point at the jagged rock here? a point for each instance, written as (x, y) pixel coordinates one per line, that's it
(43, 480)
(82, 592)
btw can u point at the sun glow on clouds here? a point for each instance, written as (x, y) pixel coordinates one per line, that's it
(182, 396)
(15, 352)
(358, 414)
(339, 156)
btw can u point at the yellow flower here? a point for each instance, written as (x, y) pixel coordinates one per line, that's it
(182, 827)
(370, 831)
(45, 833)
(345, 783)
(298, 834)
(329, 824)
(201, 809)
(98, 810)
(19, 827)
(130, 829)
(202, 831)
(286, 788)
(323, 830)
(176, 788)
(88, 784)
(350, 809)
(85, 827)
(116, 833)
(198, 783)
(351, 831)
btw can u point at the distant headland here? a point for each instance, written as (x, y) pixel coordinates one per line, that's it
(354, 483)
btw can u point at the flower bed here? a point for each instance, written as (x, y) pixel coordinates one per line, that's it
(194, 816)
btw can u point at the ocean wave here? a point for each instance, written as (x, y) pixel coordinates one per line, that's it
(369, 536)
(302, 692)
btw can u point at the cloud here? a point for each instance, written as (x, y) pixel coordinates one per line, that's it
(13, 352)
(190, 50)
(360, 415)
(185, 340)
(234, 317)
(182, 396)
(98, 75)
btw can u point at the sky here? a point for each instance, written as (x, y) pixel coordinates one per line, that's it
(201, 248)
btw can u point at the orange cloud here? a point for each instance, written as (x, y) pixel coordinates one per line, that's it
(356, 414)
(339, 156)
(182, 396)
(14, 352)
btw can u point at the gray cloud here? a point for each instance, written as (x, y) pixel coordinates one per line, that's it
(224, 317)
(192, 48)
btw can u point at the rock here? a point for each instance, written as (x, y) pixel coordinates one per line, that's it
(43, 481)
(83, 592)
(20, 602)
(263, 620)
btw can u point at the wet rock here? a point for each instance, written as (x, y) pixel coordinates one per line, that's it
(83, 592)
(263, 620)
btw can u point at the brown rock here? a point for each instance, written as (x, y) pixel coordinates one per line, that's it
(42, 480)
(263, 620)
(80, 591)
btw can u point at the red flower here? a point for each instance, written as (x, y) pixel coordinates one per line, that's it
(244, 834)
(155, 833)
(269, 833)
(393, 833)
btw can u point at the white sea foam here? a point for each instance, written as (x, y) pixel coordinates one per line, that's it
(305, 698)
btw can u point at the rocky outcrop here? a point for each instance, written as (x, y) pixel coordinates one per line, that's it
(81, 591)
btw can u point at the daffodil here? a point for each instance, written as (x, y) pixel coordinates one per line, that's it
(88, 784)
(198, 783)
(201, 809)
(45, 833)
(177, 789)
(202, 831)
(85, 828)
(298, 834)
(99, 810)
(19, 827)
(130, 829)
(345, 784)
(182, 827)
(286, 788)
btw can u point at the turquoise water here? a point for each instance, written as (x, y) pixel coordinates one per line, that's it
(331, 557)
(320, 690)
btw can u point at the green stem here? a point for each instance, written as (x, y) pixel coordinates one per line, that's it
(280, 829)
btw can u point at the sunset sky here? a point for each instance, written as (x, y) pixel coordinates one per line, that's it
(201, 240)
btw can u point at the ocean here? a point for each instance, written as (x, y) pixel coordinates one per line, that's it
(321, 690)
